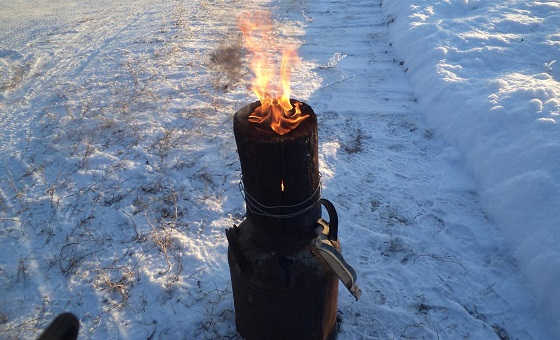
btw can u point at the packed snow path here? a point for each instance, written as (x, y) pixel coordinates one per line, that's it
(119, 175)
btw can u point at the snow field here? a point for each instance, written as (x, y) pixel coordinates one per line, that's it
(120, 175)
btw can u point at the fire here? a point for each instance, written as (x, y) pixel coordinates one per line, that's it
(275, 109)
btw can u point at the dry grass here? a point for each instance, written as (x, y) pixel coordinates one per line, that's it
(226, 62)
(120, 286)
(88, 151)
(355, 144)
(19, 193)
(162, 235)
(98, 132)
(13, 79)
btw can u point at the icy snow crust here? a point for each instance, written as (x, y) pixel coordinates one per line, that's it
(488, 77)
(119, 173)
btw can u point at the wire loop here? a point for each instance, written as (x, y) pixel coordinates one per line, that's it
(259, 208)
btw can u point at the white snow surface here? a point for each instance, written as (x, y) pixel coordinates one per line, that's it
(487, 74)
(119, 172)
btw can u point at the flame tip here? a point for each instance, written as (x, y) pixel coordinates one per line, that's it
(276, 108)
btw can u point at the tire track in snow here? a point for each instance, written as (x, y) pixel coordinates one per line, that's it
(54, 58)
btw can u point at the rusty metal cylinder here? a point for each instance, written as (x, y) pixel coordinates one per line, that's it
(280, 297)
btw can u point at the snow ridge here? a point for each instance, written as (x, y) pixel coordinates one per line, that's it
(488, 77)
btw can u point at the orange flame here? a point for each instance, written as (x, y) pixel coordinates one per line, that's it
(275, 109)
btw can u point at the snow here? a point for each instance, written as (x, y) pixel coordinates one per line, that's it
(487, 77)
(119, 171)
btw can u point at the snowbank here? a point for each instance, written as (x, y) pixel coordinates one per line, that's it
(487, 74)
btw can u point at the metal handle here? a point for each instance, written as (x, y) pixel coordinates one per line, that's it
(333, 219)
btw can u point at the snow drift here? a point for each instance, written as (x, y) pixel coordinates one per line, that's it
(488, 77)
